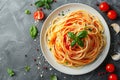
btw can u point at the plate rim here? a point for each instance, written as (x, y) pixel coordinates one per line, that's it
(108, 42)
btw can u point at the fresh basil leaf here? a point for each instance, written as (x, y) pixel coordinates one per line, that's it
(73, 43)
(49, 1)
(80, 43)
(33, 31)
(43, 1)
(10, 72)
(71, 35)
(46, 1)
(53, 77)
(39, 4)
(47, 5)
(82, 34)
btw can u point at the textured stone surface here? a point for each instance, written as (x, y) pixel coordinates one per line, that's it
(15, 42)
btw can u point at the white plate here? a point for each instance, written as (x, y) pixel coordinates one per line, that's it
(49, 57)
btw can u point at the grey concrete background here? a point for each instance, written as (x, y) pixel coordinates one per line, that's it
(15, 42)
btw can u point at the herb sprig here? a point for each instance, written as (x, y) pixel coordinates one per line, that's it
(77, 38)
(42, 3)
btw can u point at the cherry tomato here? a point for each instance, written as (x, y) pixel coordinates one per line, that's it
(112, 77)
(104, 6)
(112, 14)
(110, 68)
(38, 15)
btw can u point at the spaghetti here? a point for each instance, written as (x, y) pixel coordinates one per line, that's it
(63, 38)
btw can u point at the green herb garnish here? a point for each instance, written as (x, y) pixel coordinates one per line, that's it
(82, 34)
(73, 43)
(66, 62)
(10, 72)
(47, 6)
(87, 28)
(63, 14)
(27, 11)
(39, 4)
(53, 77)
(33, 31)
(77, 38)
(48, 39)
(71, 35)
(42, 3)
(50, 49)
(80, 43)
(27, 68)
(49, 1)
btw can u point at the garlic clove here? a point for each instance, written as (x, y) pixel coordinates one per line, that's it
(116, 57)
(116, 27)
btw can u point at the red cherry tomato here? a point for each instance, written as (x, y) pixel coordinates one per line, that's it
(104, 6)
(38, 15)
(112, 14)
(110, 68)
(112, 77)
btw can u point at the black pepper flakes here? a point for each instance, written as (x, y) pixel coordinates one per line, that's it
(36, 64)
(35, 60)
(44, 8)
(45, 67)
(31, 4)
(37, 49)
(68, 9)
(99, 74)
(97, 4)
(39, 9)
(25, 55)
